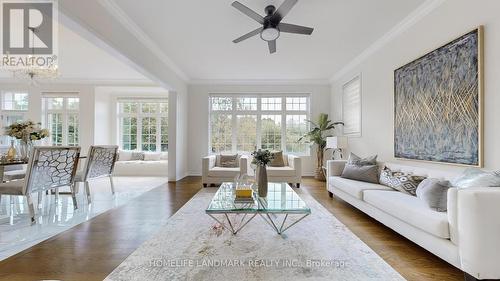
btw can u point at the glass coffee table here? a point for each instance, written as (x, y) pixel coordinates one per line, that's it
(281, 201)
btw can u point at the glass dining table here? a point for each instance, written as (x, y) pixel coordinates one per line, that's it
(4, 163)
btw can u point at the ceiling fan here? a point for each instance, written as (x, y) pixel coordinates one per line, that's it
(271, 23)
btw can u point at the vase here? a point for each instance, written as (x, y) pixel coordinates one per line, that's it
(25, 149)
(11, 153)
(262, 180)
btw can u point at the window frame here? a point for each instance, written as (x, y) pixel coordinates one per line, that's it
(259, 112)
(139, 115)
(358, 131)
(65, 112)
(6, 113)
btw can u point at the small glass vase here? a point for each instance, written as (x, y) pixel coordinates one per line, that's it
(262, 180)
(25, 148)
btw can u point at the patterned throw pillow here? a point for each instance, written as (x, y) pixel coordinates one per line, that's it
(277, 159)
(356, 160)
(400, 181)
(137, 156)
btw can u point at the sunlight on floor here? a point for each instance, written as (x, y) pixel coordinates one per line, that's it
(16, 233)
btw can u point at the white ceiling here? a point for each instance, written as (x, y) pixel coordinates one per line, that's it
(197, 36)
(81, 60)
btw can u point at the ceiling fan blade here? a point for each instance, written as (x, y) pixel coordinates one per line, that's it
(248, 35)
(292, 28)
(247, 11)
(283, 10)
(272, 46)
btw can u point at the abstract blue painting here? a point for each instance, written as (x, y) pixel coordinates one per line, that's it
(438, 104)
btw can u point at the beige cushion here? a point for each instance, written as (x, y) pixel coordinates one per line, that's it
(221, 172)
(280, 172)
(277, 159)
(12, 187)
(152, 156)
(227, 161)
(356, 188)
(409, 209)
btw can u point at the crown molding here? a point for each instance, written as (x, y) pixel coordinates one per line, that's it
(137, 32)
(261, 82)
(423, 10)
(84, 81)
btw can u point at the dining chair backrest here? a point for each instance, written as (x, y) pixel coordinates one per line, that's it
(50, 167)
(101, 161)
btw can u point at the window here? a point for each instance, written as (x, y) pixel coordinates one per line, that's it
(351, 107)
(244, 123)
(143, 124)
(62, 117)
(14, 105)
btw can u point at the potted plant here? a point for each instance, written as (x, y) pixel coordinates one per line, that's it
(317, 136)
(261, 158)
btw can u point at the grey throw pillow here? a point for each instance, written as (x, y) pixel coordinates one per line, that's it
(400, 181)
(356, 160)
(229, 161)
(434, 193)
(137, 156)
(366, 173)
(477, 178)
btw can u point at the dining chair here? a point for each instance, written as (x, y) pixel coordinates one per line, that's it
(49, 167)
(100, 163)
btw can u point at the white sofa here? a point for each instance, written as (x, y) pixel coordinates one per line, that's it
(467, 236)
(211, 174)
(142, 168)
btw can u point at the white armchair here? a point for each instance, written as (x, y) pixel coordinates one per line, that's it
(290, 173)
(211, 174)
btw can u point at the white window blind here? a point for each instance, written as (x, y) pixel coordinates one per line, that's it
(351, 107)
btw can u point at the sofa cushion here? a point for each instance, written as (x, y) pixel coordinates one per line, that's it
(409, 209)
(367, 161)
(220, 172)
(477, 178)
(280, 172)
(124, 155)
(434, 193)
(152, 156)
(141, 168)
(227, 161)
(355, 188)
(277, 160)
(400, 181)
(366, 173)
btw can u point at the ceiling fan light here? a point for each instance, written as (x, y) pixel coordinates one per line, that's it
(270, 34)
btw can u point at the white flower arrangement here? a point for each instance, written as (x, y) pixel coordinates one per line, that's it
(27, 131)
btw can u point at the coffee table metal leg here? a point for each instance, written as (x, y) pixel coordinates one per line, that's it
(241, 225)
(294, 223)
(282, 228)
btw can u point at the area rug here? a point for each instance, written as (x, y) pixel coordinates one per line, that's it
(191, 246)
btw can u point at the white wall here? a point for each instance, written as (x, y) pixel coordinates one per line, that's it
(198, 141)
(85, 93)
(447, 22)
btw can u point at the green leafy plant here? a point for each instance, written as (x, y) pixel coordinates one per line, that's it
(320, 130)
(262, 157)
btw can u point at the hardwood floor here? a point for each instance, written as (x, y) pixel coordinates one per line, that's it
(91, 250)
